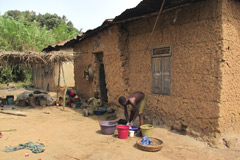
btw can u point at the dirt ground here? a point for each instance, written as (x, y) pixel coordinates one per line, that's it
(68, 135)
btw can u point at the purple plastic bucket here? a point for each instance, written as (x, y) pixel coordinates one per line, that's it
(108, 127)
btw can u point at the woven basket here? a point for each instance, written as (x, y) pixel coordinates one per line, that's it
(157, 145)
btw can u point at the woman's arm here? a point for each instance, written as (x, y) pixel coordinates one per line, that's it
(135, 112)
(126, 113)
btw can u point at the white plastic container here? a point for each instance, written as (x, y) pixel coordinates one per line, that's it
(131, 133)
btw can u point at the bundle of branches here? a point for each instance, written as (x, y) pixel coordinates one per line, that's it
(34, 57)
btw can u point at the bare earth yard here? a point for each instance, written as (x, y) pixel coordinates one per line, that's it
(68, 135)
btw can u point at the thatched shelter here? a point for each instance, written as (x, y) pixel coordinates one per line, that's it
(46, 67)
(34, 57)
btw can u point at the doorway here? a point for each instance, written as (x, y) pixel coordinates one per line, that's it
(102, 81)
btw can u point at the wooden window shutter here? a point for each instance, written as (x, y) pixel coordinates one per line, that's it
(161, 71)
(166, 75)
(156, 80)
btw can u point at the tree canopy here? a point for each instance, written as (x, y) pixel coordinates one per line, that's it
(26, 31)
(47, 19)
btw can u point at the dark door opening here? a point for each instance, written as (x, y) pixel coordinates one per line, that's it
(102, 81)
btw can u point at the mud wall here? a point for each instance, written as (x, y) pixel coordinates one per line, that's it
(204, 47)
(106, 42)
(43, 77)
(230, 67)
(194, 34)
(68, 70)
(46, 76)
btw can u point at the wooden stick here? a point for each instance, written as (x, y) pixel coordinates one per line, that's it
(64, 100)
(73, 157)
(8, 130)
(59, 72)
(155, 24)
(15, 114)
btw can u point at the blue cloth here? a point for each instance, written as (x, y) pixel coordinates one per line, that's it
(146, 141)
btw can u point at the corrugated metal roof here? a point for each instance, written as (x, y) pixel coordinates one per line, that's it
(55, 47)
(150, 6)
(69, 42)
(62, 43)
(145, 7)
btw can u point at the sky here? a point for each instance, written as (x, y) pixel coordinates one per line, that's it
(84, 14)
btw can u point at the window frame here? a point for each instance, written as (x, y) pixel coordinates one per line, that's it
(160, 57)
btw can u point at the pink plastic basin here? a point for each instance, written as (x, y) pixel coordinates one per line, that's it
(123, 131)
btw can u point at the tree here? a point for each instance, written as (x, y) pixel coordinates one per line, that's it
(49, 20)
(15, 14)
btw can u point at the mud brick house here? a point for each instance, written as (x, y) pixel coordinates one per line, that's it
(46, 76)
(188, 66)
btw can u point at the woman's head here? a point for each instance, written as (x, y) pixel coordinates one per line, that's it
(122, 100)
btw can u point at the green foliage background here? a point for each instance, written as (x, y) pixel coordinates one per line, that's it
(26, 31)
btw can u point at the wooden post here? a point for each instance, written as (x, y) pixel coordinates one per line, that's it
(64, 100)
(59, 72)
(15, 114)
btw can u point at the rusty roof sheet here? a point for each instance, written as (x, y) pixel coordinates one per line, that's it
(55, 47)
(143, 8)
(150, 6)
